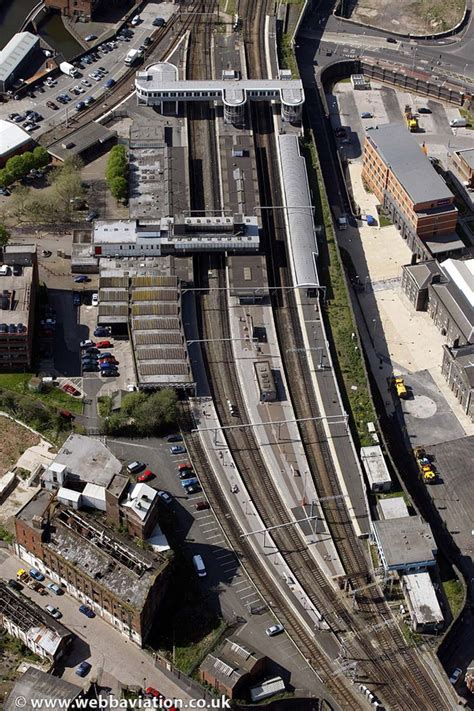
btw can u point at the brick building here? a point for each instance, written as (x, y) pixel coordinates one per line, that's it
(416, 197)
(18, 287)
(463, 162)
(234, 666)
(74, 8)
(121, 582)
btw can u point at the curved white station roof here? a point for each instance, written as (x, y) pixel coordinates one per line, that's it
(161, 81)
(297, 199)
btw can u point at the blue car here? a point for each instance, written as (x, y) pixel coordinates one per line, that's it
(81, 279)
(36, 574)
(107, 366)
(80, 106)
(174, 438)
(188, 482)
(101, 331)
(109, 83)
(87, 611)
(83, 669)
(178, 449)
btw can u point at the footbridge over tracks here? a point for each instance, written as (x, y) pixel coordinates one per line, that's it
(159, 83)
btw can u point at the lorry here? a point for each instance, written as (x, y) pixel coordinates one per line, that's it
(133, 56)
(23, 577)
(411, 120)
(425, 466)
(400, 387)
(69, 69)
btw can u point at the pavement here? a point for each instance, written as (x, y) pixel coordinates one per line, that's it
(97, 642)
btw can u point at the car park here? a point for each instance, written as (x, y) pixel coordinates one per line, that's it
(36, 575)
(165, 497)
(146, 476)
(83, 669)
(274, 630)
(54, 588)
(87, 611)
(178, 449)
(135, 467)
(53, 611)
(202, 506)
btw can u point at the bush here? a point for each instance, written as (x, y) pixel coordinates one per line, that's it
(144, 415)
(116, 173)
(4, 236)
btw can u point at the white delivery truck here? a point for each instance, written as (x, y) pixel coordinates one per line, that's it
(69, 69)
(133, 56)
(458, 123)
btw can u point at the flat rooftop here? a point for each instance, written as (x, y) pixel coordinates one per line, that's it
(392, 508)
(86, 137)
(88, 460)
(248, 275)
(239, 175)
(375, 465)
(421, 593)
(468, 155)
(402, 153)
(405, 541)
(15, 295)
(98, 552)
(35, 684)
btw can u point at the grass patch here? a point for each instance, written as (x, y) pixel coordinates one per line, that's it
(286, 56)
(104, 405)
(394, 495)
(411, 638)
(6, 535)
(455, 595)
(338, 310)
(54, 397)
(384, 219)
(465, 113)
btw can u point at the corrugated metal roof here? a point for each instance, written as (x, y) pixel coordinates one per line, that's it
(154, 294)
(302, 233)
(114, 281)
(165, 338)
(160, 353)
(157, 309)
(161, 368)
(15, 52)
(155, 280)
(169, 323)
(113, 295)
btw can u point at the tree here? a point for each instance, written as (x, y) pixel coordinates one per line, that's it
(130, 403)
(19, 199)
(41, 157)
(4, 236)
(6, 178)
(16, 167)
(119, 188)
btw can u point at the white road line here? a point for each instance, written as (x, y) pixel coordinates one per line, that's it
(231, 564)
(244, 597)
(224, 554)
(242, 582)
(201, 518)
(218, 535)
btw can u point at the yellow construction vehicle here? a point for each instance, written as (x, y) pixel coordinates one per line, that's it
(427, 472)
(411, 120)
(400, 387)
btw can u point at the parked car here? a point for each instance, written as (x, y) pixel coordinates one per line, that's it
(165, 497)
(54, 588)
(89, 100)
(366, 115)
(81, 279)
(52, 105)
(151, 692)
(104, 344)
(76, 300)
(392, 40)
(109, 373)
(83, 669)
(87, 343)
(146, 476)
(95, 299)
(192, 489)
(87, 611)
(174, 438)
(424, 110)
(274, 630)
(340, 132)
(15, 585)
(109, 83)
(80, 106)
(202, 506)
(178, 449)
(36, 575)
(90, 368)
(53, 611)
(101, 331)
(186, 466)
(84, 82)
(90, 38)
(185, 473)
(91, 216)
(159, 22)
(70, 389)
(455, 676)
(107, 366)
(135, 467)
(135, 20)
(66, 415)
(147, 41)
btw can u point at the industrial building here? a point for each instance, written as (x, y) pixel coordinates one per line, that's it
(446, 291)
(232, 667)
(425, 612)
(409, 188)
(463, 163)
(147, 304)
(24, 619)
(105, 570)
(16, 57)
(458, 369)
(13, 140)
(404, 544)
(38, 688)
(375, 469)
(18, 287)
(160, 84)
(86, 143)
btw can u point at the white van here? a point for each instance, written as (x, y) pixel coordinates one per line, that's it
(4, 270)
(458, 123)
(199, 566)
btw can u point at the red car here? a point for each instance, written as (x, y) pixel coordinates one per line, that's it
(66, 414)
(202, 506)
(52, 105)
(70, 389)
(104, 344)
(181, 467)
(146, 476)
(150, 691)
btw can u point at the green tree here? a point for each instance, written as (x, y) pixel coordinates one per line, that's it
(16, 167)
(19, 202)
(6, 178)
(119, 188)
(4, 236)
(41, 157)
(131, 402)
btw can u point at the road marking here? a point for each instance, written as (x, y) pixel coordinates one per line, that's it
(241, 582)
(220, 555)
(201, 518)
(243, 597)
(218, 535)
(231, 563)
(209, 530)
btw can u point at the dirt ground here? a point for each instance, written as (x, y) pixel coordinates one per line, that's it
(414, 17)
(13, 442)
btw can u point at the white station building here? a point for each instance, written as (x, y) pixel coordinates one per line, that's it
(160, 83)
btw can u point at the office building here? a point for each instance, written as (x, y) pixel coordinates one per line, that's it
(409, 188)
(404, 544)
